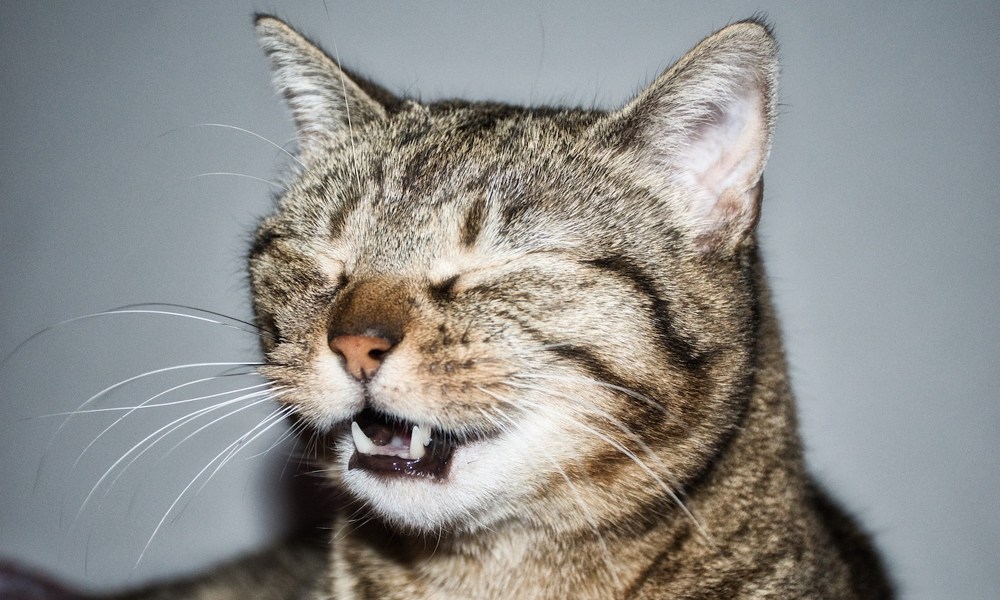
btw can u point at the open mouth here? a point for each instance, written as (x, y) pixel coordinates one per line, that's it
(388, 446)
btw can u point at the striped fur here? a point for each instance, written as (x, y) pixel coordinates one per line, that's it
(575, 304)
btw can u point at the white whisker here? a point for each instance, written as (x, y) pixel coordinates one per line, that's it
(276, 416)
(163, 432)
(256, 135)
(229, 321)
(130, 309)
(234, 128)
(172, 427)
(291, 432)
(243, 175)
(144, 375)
(188, 486)
(95, 397)
(165, 370)
(167, 391)
(617, 445)
(144, 404)
(269, 395)
(295, 433)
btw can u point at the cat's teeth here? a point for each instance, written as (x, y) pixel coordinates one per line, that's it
(426, 431)
(361, 441)
(417, 443)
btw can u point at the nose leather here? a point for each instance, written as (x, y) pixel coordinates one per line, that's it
(362, 353)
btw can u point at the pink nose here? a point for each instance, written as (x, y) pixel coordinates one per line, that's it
(362, 353)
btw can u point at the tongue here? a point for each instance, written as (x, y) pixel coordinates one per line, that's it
(381, 434)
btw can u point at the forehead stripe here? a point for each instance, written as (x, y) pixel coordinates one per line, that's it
(475, 219)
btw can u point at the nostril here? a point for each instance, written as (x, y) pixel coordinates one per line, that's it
(362, 354)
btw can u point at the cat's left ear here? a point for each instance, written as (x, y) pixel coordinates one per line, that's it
(700, 134)
(325, 101)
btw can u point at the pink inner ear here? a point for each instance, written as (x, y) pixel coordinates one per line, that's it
(722, 160)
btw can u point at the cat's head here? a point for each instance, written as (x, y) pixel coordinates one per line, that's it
(562, 301)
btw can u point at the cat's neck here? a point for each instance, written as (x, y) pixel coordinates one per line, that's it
(512, 561)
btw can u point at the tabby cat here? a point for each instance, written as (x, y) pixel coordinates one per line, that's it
(536, 348)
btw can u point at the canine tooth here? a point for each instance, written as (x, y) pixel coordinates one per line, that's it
(426, 431)
(361, 441)
(416, 443)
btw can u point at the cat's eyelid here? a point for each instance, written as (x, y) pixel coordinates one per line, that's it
(459, 277)
(330, 261)
(447, 268)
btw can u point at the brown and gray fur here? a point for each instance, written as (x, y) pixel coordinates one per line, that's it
(574, 300)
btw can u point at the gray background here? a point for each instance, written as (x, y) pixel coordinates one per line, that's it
(881, 230)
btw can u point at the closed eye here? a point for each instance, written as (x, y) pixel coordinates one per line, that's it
(445, 290)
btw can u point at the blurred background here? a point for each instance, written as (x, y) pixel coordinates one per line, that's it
(118, 186)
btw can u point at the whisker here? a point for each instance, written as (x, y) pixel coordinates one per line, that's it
(159, 434)
(144, 404)
(620, 447)
(234, 323)
(95, 397)
(578, 498)
(185, 420)
(162, 433)
(144, 375)
(165, 370)
(133, 309)
(243, 175)
(253, 328)
(178, 183)
(184, 491)
(256, 135)
(295, 431)
(241, 442)
(356, 520)
(291, 432)
(167, 391)
(277, 415)
(270, 395)
(235, 128)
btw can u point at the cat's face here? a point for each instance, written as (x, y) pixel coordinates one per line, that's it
(492, 312)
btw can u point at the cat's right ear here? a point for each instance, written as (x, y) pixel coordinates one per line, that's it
(325, 102)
